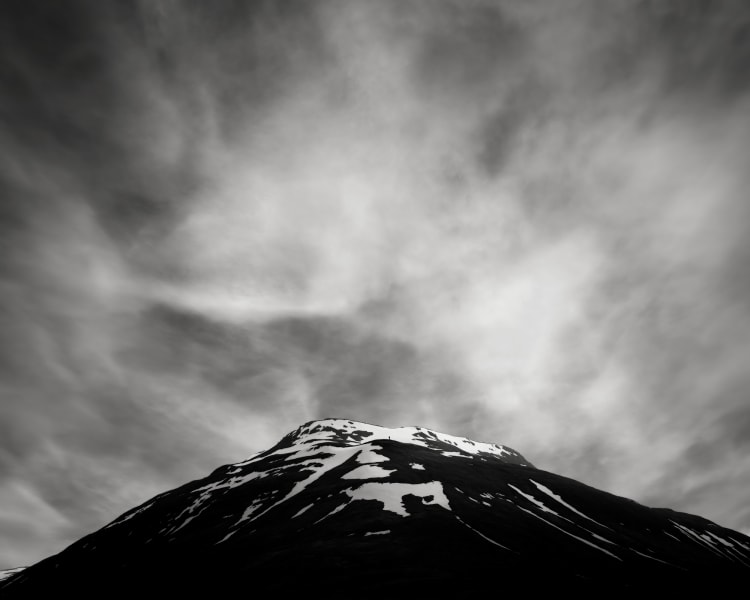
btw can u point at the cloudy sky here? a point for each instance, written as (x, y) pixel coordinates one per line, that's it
(522, 222)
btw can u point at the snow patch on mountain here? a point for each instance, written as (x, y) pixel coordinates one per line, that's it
(559, 499)
(533, 500)
(368, 472)
(302, 510)
(130, 514)
(8, 572)
(368, 456)
(391, 495)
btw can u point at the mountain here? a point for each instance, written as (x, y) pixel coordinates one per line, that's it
(339, 509)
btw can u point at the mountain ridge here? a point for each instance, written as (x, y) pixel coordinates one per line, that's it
(319, 430)
(406, 509)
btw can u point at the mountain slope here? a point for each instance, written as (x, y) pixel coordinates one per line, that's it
(366, 511)
(8, 572)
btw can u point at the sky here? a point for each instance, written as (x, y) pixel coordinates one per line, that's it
(521, 222)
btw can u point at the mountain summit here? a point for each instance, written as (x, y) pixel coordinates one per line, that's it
(348, 509)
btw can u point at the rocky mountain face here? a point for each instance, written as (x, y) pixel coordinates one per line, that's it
(345, 509)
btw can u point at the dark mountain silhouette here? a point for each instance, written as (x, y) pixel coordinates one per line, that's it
(345, 509)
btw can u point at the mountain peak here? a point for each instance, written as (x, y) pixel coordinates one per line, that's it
(345, 432)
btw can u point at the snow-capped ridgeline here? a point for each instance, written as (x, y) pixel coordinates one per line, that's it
(348, 432)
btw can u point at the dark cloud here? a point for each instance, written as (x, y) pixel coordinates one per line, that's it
(463, 51)
(704, 46)
(522, 111)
